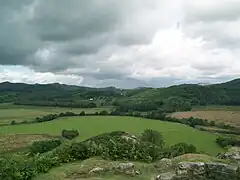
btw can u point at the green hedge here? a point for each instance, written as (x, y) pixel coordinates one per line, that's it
(44, 146)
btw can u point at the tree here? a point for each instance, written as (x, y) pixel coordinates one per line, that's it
(103, 113)
(70, 134)
(13, 122)
(174, 104)
(82, 113)
(152, 136)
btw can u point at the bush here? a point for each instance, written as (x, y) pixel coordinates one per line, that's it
(67, 114)
(70, 134)
(82, 113)
(13, 122)
(48, 117)
(103, 113)
(153, 137)
(227, 141)
(44, 146)
(180, 149)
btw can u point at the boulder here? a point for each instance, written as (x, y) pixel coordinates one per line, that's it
(125, 166)
(220, 168)
(194, 168)
(232, 154)
(221, 171)
(96, 170)
(166, 162)
(129, 137)
(202, 170)
(165, 176)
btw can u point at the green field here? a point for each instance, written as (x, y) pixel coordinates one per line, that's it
(93, 125)
(9, 112)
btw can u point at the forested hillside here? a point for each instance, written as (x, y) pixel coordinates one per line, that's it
(174, 98)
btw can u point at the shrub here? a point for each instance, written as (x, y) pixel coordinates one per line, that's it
(44, 146)
(180, 149)
(227, 141)
(96, 113)
(82, 113)
(153, 137)
(70, 134)
(13, 122)
(48, 117)
(67, 114)
(103, 113)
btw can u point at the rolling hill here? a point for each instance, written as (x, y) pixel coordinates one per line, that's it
(58, 94)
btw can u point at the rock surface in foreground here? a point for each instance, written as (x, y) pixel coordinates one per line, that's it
(201, 171)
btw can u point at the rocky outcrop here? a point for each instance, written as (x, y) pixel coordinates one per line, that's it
(195, 168)
(232, 154)
(201, 171)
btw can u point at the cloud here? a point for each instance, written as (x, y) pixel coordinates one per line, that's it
(19, 74)
(122, 43)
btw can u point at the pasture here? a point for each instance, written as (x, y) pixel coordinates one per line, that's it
(227, 114)
(89, 126)
(9, 112)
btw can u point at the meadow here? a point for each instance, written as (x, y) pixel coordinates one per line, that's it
(10, 112)
(89, 126)
(226, 114)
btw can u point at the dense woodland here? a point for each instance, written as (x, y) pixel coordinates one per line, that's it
(170, 99)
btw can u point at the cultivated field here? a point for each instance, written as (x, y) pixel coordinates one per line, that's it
(89, 126)
(226, 114)
(9, 112)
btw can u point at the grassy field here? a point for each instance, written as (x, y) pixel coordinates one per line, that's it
(226, 114)
(9, 112)
(94, 125)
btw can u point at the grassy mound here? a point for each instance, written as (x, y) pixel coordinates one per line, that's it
(80, 170)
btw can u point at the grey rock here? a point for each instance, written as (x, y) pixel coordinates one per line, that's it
(137, 172)
(196, 168)
(232, 154)
(167, 162)
(96, 170)
(165, 176)
(125, 166)
(220, 168)
(129, 137)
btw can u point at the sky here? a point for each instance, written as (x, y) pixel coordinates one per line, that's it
(127, 43)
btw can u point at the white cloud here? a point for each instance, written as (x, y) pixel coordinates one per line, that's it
(20, 74)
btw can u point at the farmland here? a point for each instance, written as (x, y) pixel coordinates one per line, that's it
(9, 112)
(226, 114)
(93, 125)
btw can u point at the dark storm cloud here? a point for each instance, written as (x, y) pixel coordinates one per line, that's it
(74, 19)
(71, 28)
